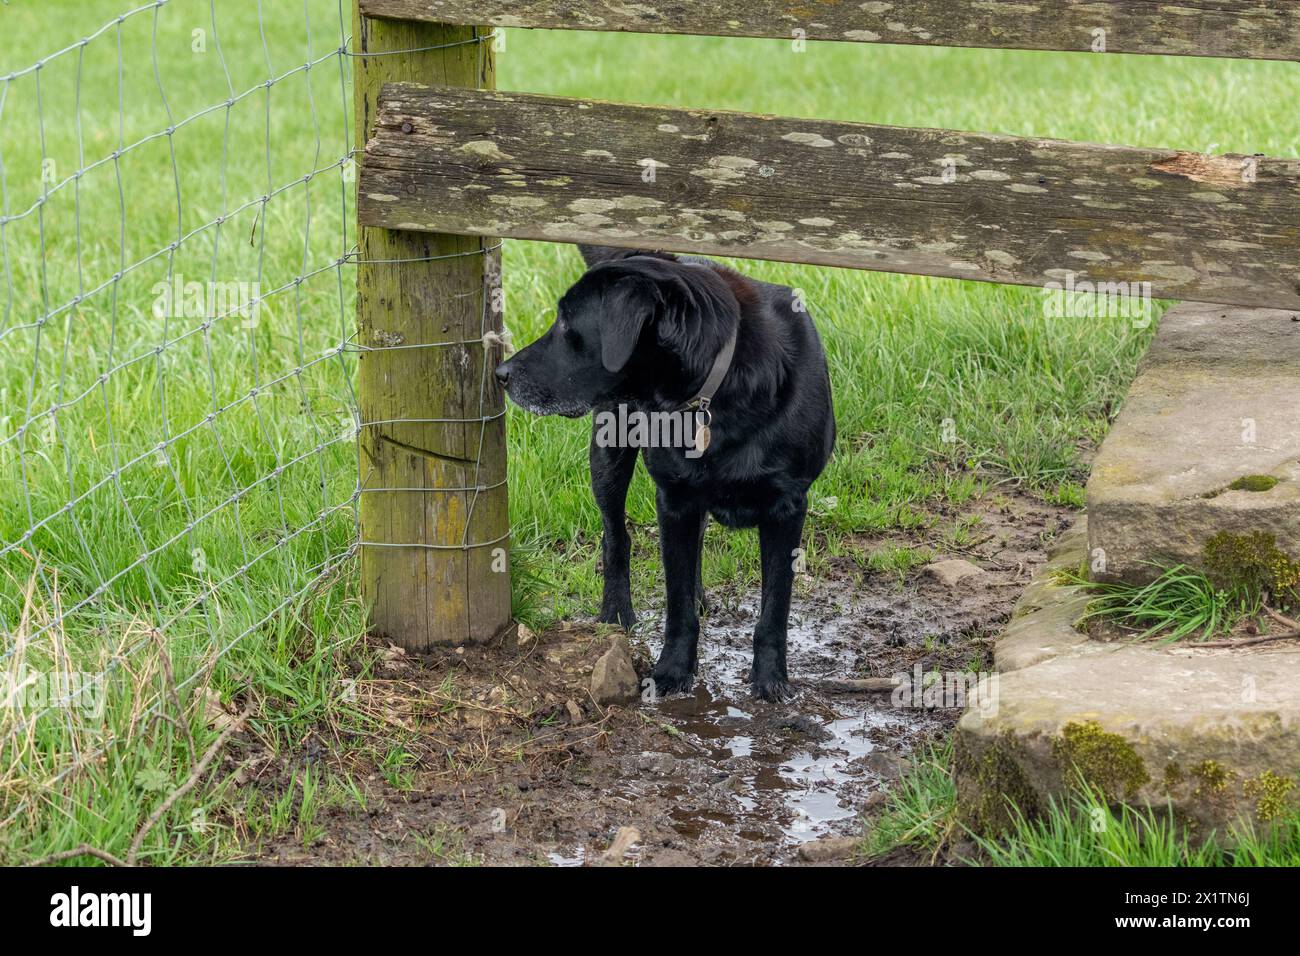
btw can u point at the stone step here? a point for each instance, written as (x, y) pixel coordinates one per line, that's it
(1207, 442)
(1212, 735)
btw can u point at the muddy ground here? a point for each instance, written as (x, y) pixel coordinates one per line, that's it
(506, 759)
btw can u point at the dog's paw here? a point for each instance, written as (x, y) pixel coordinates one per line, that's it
(624, 617)
(671, 680)
(774, 688)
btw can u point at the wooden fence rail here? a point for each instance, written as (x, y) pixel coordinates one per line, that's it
(1255, 29)
(932, 202)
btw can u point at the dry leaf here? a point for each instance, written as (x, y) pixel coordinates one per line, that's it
(215, 714)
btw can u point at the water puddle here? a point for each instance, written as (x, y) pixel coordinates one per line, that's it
(780, 775)
(577, 858)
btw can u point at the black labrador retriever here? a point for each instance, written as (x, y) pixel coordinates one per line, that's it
(740, 360)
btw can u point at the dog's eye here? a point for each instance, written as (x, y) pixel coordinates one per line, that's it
(573, 338)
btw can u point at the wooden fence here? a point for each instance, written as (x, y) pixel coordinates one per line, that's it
(461, 162)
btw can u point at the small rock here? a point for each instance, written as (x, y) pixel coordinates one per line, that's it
(799, 724)
(392, 658)
(730, 784)
(827, 849)
(952, 572)
(659, 764)
(613, 679)
(738, 764)
(875, 800)
(670, 857)
(624, 840)
(575, 712)
(884, 764)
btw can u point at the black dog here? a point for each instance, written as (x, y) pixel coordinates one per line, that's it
(657, 333)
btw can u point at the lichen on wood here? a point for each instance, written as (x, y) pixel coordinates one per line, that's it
(1007, 209)
(1231, 28)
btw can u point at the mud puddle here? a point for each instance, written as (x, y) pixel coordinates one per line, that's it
(509, 760)
(775, 776)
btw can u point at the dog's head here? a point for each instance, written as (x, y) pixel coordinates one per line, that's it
(633, 327)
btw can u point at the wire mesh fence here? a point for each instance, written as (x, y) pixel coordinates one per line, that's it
(178, 416)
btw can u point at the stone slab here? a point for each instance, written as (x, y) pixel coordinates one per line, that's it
(1216, 400)
(1213, 735)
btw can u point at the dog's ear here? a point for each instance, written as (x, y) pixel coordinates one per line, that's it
(700, 311)
(630, 305)
(690, 306)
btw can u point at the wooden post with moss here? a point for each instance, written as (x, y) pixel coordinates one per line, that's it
(432, 456)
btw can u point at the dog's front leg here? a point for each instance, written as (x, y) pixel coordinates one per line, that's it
(611, 473)
(679, 544)
(779, 541)
(701, 602)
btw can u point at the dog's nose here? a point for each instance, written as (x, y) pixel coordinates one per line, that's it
(503, 374)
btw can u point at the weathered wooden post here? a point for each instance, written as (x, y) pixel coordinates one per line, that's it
(434, 521)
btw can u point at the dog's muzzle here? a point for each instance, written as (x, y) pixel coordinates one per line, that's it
(534, 398)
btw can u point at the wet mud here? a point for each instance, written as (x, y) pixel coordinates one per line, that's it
(506, 759)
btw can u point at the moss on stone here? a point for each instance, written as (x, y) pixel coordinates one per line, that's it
(1253, 483)
(994, 782)
(1251, 563)
(1270, 792)
(1213, 776)
(1063, 577)
(1173, 776)
(1103, 760)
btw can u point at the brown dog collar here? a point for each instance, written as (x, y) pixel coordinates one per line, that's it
(703, 399)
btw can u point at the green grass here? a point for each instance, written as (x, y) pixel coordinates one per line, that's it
(1083, 830)
(920, 809)
(1180, 604)
(233, 542)
(1246, 579)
